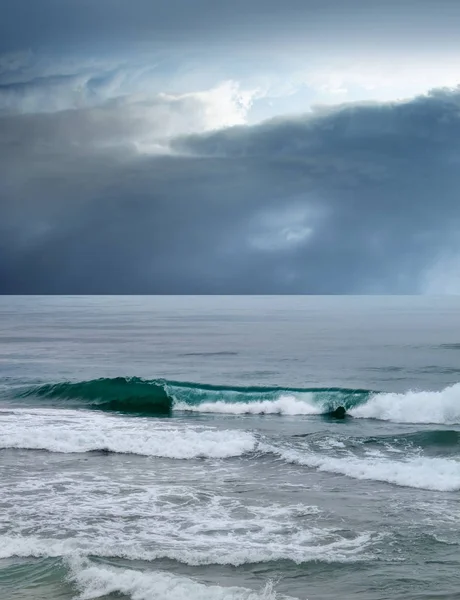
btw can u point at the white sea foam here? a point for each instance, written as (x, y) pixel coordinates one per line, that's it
(441, 407)
(286, 404)
(316, 546)
(75, 431)
(442, 474)
(143, 515)
(94, 581)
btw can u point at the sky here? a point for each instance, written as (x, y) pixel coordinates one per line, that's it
(217, 147)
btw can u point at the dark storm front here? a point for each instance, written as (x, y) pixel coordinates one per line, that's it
(172, 447)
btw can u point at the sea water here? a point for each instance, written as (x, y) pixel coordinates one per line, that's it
(184, 448)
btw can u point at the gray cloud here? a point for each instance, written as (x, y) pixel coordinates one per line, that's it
(74, 24)
(58, 55)
(355, 199)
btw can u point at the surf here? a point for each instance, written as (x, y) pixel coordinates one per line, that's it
(162, 398)
(159, 397)
(71, 431)
(420, 459)
(414, 406)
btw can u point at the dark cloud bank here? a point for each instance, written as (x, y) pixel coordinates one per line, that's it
(355, 199)
(59, 24)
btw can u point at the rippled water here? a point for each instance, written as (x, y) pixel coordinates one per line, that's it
(171, 448)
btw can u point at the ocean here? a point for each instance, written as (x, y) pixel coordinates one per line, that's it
(172, 448)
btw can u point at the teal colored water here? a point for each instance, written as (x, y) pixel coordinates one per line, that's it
(187, 447)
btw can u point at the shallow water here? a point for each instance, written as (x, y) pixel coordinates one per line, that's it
(204, 463)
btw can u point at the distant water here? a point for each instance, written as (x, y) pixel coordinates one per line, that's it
(163, 448)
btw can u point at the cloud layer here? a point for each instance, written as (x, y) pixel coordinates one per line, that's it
(137, 195)
(52, 23)
(175, 147)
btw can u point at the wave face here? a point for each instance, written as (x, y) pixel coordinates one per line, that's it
(120, 394)
(161, 397)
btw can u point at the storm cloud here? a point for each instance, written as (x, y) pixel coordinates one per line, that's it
(351, 199)
(136, 156)
(57, 24)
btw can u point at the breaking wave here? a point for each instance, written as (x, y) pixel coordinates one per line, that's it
(96, 581)
(77, 432)
(415, 471)
(159, 397)
(326, 547)
(442, 407)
